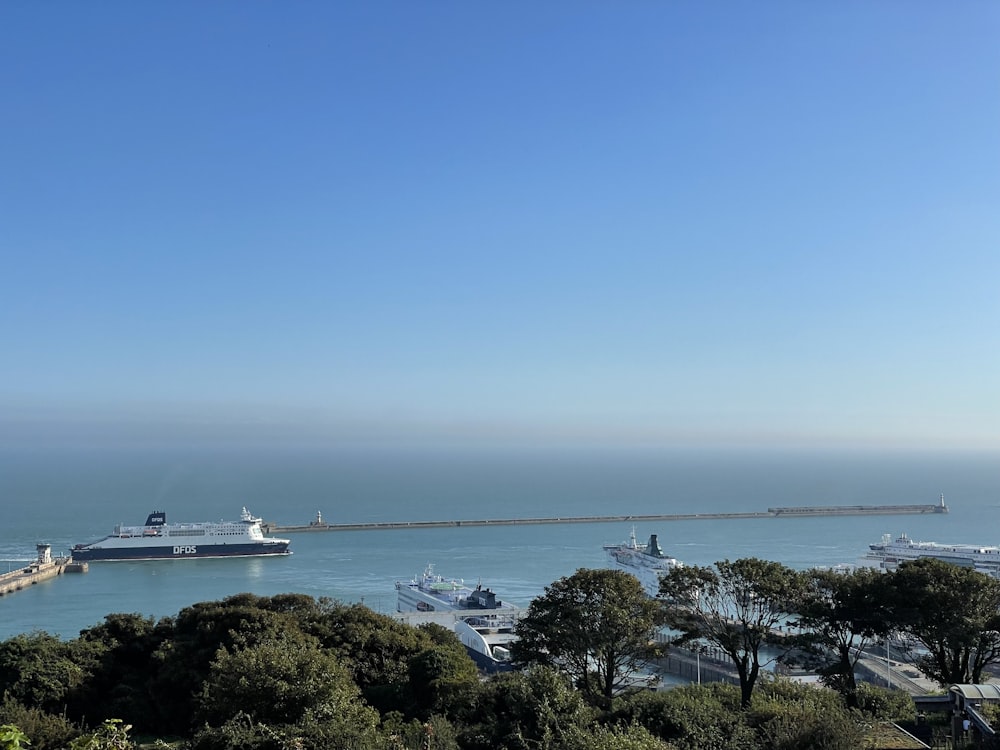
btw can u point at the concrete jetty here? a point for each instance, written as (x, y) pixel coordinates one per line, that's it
(790, 512)
(41, 569)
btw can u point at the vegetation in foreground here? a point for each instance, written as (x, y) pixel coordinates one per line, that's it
(290, 671)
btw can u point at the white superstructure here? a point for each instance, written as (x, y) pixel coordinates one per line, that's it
(889, 553)
(647, 563)
(430, 592)
(159, 540)
(483, 623)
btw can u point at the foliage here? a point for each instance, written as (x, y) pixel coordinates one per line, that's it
(692, 717)
(120, 651)
(882, 704)
(791, 716)
(797, 727)
(12, 738)
(734, 606)
(324, 731)
(840, 614)
(597, 621)
(277, 682)
(953, 612)
(443, 678)
(112, 735)
(47, 731)
(533, 709)
(618, 737)
(37, 669)
(375, 648)
(436, 733)
(183, 660)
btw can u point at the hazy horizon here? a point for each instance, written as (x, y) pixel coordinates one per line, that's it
(771, 224)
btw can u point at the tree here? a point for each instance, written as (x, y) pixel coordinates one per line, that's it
(735, 606)
(193, 639)
(443, 678)
(287, 692)
(275, 682)
(47, 731)
(953, 612)
(594, 621)
(691, 717)
(790, 716)
(536, 708)
(840, 614)
(376, 648)
(37, 669)
(119, 652)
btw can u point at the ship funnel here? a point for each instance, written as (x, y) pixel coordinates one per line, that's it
(653, 548)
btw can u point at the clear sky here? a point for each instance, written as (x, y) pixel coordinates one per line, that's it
(726, 221)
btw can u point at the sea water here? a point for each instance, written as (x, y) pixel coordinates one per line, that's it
(67, 495)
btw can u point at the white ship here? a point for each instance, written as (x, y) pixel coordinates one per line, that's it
(888, 554)
(483, 623)
(430, 592)
(647, 563)
(159, 540)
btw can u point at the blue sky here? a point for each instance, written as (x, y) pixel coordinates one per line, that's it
(678, 221)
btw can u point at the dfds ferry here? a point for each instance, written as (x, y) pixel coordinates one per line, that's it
(159, 540)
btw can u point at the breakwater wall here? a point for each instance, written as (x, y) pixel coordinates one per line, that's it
(790, 512)
(37, 572)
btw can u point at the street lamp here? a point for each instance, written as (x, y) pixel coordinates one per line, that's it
(698, 651)
(888, 665)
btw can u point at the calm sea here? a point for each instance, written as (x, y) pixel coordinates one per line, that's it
(64, 496)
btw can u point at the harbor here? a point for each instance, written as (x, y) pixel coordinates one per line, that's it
(43, 568)
(779, 512)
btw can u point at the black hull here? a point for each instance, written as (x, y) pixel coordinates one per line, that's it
(179, 552)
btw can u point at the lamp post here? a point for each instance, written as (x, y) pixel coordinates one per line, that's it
(698, 651)
(888, 666)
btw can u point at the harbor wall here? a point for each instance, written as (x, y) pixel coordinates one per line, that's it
(790, 512)
(37, 572)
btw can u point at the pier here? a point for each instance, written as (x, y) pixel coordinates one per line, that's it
(790, 512)
(41, 569)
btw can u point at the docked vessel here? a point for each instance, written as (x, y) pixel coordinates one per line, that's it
(159, 540)
(648, 563)
(430, 592)
(483, 623)
(888, 554)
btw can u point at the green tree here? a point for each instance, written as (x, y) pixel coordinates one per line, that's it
(617, 737)
(691, 717)
(596, 622)
(840, 614)
(38, 669)
(275, 682)
(375, 648)
(734, 606)
(182, 661)
(536, 709)
(950, 610)
(790, 716)
(884, 704)
(443, 679)
(47, 731)
(119, 654)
